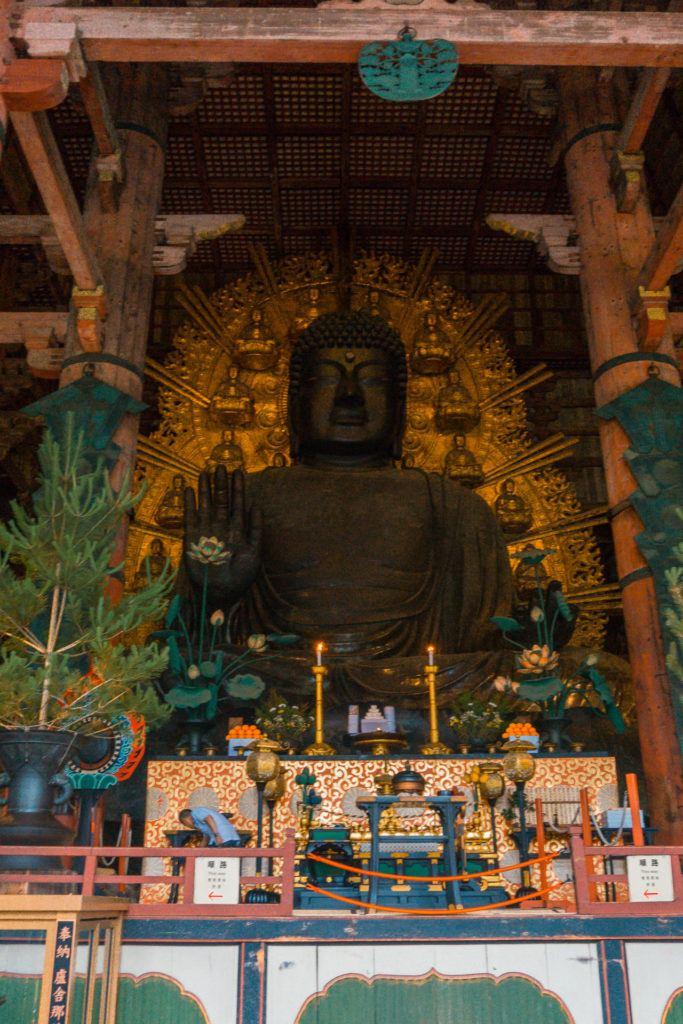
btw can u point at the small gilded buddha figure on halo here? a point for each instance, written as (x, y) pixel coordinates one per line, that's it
(456, 409)
(170, 512)
(257, 350)
(513, 512)
(232, 404)
(152, 565)
(345, 547)
(226, 453)
(462, 465)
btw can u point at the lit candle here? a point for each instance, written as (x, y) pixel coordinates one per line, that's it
(430, 654)
(319, 648)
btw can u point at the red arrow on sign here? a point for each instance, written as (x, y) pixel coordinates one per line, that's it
(217, 896)
(647, 893)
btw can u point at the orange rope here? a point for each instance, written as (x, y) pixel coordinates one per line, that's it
(429, 878)
(423, 911)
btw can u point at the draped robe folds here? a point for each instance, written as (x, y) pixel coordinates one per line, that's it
(377, 563)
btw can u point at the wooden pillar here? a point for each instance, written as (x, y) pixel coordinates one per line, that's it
(5, 58)
(124, 240)
(612, 245)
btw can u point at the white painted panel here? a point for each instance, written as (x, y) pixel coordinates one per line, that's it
(655, 971)
(22, 958)
(208, 972)
(569, 970)
(291, 977)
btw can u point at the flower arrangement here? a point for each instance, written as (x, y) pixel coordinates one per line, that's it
(477, 722)
(549, 616)
(284, 722)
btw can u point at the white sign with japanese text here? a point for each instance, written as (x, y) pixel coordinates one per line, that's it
(217, 880)
(650, 879)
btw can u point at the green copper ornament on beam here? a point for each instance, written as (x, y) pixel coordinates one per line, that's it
(97, 409)
(408, 69)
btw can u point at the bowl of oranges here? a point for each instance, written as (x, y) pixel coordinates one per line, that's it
(240, 739)
(522, 732)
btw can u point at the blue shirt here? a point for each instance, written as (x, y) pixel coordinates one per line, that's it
(226, 831)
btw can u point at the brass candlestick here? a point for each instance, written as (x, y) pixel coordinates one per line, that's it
(319, 748)
(435, 746)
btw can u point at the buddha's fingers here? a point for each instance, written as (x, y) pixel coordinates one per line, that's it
(191, 523)
(204, 523)
(255, 529)
(237, 508)
(221, 498)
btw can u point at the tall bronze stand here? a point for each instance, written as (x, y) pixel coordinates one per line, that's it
(319, 748)
(435, 746)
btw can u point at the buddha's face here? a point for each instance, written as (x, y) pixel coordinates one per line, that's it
(347, 403)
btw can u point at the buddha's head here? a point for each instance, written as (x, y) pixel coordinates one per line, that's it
(347, 388)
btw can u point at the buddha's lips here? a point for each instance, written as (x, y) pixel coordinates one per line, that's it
(349, 417)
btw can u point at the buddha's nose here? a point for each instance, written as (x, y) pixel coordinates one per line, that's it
(349, 394)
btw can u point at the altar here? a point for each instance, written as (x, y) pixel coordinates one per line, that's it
(343, 782)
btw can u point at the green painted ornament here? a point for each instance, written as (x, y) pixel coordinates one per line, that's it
(408, 69)
(97, 408)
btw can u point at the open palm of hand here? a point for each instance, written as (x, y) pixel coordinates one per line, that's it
(222, 542)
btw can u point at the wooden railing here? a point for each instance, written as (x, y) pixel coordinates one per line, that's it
(599, 890)
(93, 880)
(594, 879)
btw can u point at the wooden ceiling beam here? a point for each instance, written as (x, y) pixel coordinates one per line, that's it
(43, 334)
(23, 229)
(34, 84)
(667, 252)
(97, 108)
(45, 162)
(34, 229)
(650, 87)
(108, 160)
(210, 34)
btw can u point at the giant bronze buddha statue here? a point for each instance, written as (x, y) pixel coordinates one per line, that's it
(342, 546)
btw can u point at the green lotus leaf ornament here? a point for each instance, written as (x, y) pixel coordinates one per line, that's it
(245, 686)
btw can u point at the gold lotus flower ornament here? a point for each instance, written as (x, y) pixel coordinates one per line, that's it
(210, 551)
(537, 659)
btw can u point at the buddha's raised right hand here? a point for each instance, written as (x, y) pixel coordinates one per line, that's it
(220, 539)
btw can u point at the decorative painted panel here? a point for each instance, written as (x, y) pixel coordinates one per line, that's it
(451, 984)
(478, 1000)
(655, 975)
(176, 984)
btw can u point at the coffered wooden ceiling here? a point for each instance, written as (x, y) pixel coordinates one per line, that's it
(307, 151)
(304, 152)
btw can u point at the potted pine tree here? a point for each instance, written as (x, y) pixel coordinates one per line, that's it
(66, 669)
